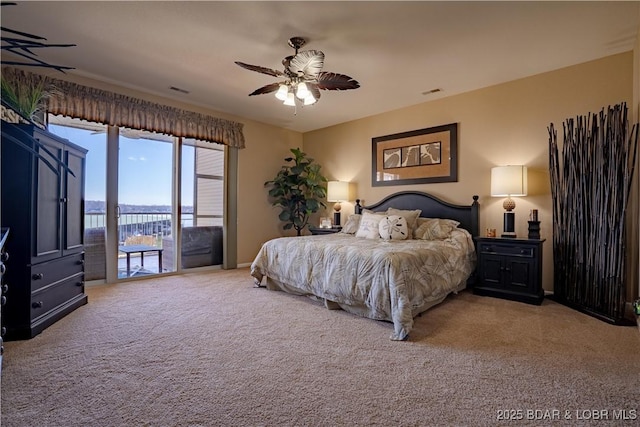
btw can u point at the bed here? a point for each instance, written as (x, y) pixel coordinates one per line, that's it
(390, 278)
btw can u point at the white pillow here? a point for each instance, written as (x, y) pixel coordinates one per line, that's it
(434, 228)
(352, 224)
(393, 227)
(369, 226)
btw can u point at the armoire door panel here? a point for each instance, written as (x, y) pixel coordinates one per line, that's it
(48, 198)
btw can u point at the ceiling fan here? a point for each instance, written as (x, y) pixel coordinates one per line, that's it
(303, 76)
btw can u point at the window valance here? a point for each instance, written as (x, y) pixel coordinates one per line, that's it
(97, 105)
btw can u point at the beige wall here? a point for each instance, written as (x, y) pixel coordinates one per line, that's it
(267, 147)
(498, 125)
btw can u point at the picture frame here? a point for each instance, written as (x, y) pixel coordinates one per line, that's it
(325, 222)
(420, 156)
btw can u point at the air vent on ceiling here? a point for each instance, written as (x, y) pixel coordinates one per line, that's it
(429, 92)
(177, 89)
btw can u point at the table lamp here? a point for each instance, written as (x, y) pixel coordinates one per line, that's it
(507, 181)
(337, 191)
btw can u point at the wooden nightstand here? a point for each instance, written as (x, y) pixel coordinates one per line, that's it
(510, 268)
(316, 230)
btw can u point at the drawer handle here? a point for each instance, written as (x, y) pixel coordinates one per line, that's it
(80, 262)
(38, 276)
(3, 331)
(5, 288)
(80, 283)
(3, 269)
(37, 304)
(4, 257)
(3, 300)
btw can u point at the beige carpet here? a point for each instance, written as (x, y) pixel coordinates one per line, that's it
(212, 350)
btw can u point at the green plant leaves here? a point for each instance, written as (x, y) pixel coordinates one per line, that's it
(298, 190)
(27, 98)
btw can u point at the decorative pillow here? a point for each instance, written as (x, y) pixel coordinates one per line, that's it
(352, 224)
(393, 227)
(434, 228)
(369, 225)
(410, 216)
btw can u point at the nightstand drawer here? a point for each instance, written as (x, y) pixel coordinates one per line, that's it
(511, 250)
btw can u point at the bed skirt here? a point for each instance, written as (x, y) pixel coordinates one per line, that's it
(357, 309)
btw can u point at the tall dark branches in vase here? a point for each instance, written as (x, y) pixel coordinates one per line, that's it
(591, 175)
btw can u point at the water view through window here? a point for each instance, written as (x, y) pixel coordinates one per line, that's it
(145, 182)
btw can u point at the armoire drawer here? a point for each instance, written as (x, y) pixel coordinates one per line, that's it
(53, 271)
(51, 297)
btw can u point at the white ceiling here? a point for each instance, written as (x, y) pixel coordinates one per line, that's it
(396, 50)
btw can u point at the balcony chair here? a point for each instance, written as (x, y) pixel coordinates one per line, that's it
(95, 267)
(201, 246)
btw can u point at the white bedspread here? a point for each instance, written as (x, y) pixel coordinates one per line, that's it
(387, 280)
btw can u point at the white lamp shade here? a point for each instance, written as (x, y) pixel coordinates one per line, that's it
(337, 191)
(281, 94)
(302, 92)
(509, 181)
(309, 100)
(290, 99)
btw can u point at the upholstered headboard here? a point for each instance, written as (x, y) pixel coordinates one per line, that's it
(467, 215)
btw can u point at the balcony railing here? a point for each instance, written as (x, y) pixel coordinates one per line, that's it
(131, 224)
(133, 228)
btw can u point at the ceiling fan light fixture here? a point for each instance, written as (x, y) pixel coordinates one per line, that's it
(301, 91)
(282, 92)
(291, 100)
(299, 69)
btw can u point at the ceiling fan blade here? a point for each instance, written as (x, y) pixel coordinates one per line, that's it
(259, 69)
(313, 88)
(335, 81)
(266, 89)
(307, 64)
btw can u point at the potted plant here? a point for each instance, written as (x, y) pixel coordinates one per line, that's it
(298, 189)
(24, 102)
(28, 98)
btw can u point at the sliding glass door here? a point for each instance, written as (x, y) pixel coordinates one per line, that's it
(145, 192)
(201, 204)
(145, 211)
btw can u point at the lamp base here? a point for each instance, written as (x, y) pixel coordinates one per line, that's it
(336, 219)
(509, 225)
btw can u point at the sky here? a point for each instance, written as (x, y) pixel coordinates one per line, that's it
(144, 168)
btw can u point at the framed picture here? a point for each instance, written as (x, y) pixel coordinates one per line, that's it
(416, 157)
(325, 222)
